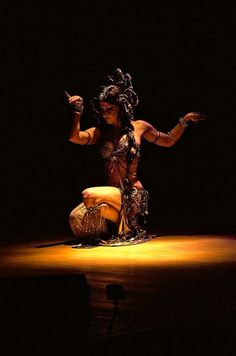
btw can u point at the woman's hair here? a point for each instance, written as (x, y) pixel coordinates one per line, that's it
(120, 92)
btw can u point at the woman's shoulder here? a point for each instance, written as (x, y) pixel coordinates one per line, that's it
(140, 124)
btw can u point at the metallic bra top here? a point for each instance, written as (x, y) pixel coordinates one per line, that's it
(109, 152)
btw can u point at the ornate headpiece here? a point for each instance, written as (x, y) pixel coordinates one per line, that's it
(120, 92)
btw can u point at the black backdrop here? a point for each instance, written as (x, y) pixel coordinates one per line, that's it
(180, 58)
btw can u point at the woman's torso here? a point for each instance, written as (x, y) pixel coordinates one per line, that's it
(121, 154)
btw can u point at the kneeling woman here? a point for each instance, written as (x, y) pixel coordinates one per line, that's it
(118, 135)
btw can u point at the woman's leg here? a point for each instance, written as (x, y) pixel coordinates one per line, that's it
(109, 199)
(99, 203)
(108, 212)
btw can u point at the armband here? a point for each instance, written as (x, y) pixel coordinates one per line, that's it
(156, 138)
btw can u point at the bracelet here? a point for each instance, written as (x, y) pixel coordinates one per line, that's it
(183, 122)
(79, 110)
(77, 105)
(171, 136)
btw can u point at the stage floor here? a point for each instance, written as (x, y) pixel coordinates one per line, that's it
(52, 254)
(170, 281)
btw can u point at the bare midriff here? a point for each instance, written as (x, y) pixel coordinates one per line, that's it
(116, 171)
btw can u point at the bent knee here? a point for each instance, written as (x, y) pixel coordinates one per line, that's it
(88, 193)
(90, 197)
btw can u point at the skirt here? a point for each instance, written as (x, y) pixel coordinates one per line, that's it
(88, 225)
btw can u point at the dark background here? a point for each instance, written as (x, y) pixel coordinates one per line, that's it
(181, 59)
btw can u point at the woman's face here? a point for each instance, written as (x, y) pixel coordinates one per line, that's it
(109, 112)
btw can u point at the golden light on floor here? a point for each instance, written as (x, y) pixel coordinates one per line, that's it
(162, 251)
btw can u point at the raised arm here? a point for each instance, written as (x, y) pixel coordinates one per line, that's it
(171, 137)
(89, 136)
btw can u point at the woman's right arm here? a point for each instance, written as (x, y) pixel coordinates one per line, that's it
(86, 137)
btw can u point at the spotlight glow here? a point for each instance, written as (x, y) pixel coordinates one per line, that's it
(175, 251)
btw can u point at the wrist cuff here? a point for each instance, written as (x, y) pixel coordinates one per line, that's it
(183, 122)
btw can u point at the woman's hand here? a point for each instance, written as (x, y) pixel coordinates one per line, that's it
(76, 102)
(194, 116)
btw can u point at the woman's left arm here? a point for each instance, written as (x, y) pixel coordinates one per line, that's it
(171, 137)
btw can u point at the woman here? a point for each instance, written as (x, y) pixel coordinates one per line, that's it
(124, 201)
